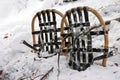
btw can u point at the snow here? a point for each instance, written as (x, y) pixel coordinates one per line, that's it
(18, 62)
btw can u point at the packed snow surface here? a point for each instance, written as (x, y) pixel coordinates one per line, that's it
(18, 62)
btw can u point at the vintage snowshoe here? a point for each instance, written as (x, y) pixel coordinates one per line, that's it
(81, 38)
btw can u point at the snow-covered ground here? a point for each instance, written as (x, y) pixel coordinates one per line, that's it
(17, 61)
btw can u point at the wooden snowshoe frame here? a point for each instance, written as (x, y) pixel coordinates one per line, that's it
(104, 32)
(46, 38)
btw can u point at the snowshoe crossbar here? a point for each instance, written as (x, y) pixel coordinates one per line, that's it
(69, 0)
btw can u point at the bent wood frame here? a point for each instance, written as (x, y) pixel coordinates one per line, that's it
(102, 24)
(34, 19)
